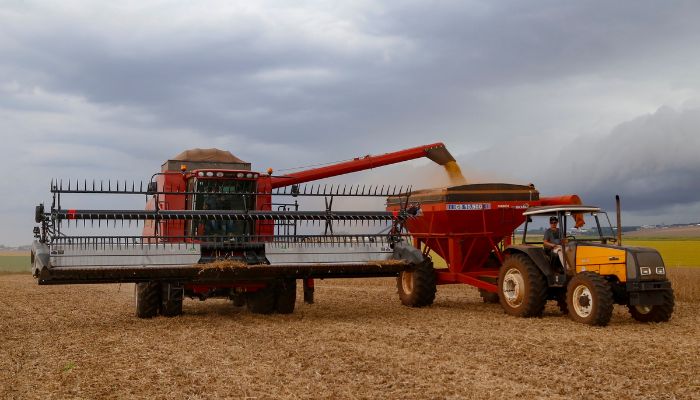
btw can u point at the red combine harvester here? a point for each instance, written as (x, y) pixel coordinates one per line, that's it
(212, 229)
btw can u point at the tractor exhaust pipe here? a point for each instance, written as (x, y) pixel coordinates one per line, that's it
(619, 220)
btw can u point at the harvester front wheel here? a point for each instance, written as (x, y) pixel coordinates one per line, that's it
(657, 313)
(172, 297)
(262, 301)
(147, 296)
(522, 287)
(286, 296)
(589, 298)
(417, 287)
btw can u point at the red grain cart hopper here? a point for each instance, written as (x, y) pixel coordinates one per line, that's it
(468, 226)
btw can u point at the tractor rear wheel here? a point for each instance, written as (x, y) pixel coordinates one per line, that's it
(286, 296)
(589, 298)
(172, 296)
(522, 289)
(147, 296)
(657, 313)
(417, 287)
(488, 297)
(262, 301)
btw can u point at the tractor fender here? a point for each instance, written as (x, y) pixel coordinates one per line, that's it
(536, 254)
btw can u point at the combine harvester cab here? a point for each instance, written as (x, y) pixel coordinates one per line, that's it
(214, 228)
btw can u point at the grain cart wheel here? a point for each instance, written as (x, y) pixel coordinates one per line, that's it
(657, 313)
(488, 297)
(590, 299)
(522, 287)
(286, 296)
(262, 301)
(147, 296)
(171, 299)
(417, 287)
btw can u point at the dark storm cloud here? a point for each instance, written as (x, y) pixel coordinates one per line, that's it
(651, 161)
(114, 89)
(436, 57)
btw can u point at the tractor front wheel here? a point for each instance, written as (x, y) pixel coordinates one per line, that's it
(522, 289)
(147, 296)
(657, 313)
(417, 287)
(589, 299)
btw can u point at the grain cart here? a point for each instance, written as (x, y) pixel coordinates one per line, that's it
(471, 227)
(594, 272)
(212, 229)
(468, 227)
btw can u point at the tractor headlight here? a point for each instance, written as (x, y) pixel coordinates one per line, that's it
(660, 271)
(645, 270)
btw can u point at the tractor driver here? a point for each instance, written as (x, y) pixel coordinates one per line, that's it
(552, 239)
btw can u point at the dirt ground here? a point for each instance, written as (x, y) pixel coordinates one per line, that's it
(356, 342)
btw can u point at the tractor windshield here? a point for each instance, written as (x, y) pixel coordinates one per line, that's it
(213, 195)
(596, 229)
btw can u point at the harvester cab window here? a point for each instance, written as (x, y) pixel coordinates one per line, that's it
(223, 195)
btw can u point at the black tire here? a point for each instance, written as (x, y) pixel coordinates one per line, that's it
(147, 297)
(171, 300)
(262, 301)
(417, 287)
(657, 313)
(561, 303)
(488, 297)
(589, 298)
(286, 296)
(522, 289)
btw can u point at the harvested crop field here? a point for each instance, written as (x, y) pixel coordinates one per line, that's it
(356, 342)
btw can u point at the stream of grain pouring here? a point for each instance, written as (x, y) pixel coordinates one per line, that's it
(455, 173)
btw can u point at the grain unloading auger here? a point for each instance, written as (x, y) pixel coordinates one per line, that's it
(212, 229)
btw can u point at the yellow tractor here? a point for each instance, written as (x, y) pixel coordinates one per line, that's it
(586, 270)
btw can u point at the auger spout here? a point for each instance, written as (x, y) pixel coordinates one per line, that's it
(436, 152)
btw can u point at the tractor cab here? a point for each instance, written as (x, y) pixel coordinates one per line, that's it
(572, 230)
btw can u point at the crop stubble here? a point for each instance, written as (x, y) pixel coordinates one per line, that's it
(356, 342)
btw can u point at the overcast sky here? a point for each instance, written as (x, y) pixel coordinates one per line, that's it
(594, 98)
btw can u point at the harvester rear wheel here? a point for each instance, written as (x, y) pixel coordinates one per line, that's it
(488, 297)
(286, 296)
(417, 287)
(172, 297)
(657, 313)
(262, 301)
(147, 296)
(522, 287)
(589, 298)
